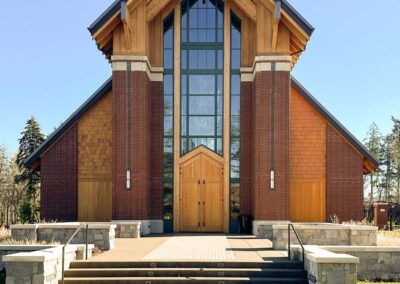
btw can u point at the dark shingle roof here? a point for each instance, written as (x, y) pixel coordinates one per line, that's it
(104, 89)
(334, 122)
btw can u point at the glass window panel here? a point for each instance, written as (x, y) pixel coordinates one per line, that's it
(193, 58)
(220, 106)
(202, 18)
(202, 59)
(168, 145)
(235, 201)
(184, 20)
(210, 35)
(220, 85)
(211, 18)
(184, 35)
(193, 35)
(235, 84)
(201, 125)
(220, 35)
(201, 84)
(168, 165)
(168, 85)
(219, 146)
(184, 146)
(168, 105)
(168, 125)
(168, 59)
(210, 59)
(235, 170)
(235, 105)
(220, 59)
(184, 125)
(184, 84)
(184, 105)
(219, 125)
(202, 35)
(183, 59)
(235, 41)
(235, 64)
(169, 38)
(196, 142)
(193, 18)
(235, 125)
(201, 105)
(220, 19)
(202, 3)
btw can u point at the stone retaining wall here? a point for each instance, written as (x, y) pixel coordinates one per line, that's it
(325, 267)
(376, 263)
(326, 234)
(101, 235)
(43, 266)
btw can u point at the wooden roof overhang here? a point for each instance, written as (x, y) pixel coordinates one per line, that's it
(118, 12)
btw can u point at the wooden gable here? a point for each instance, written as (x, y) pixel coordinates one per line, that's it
(134, 27)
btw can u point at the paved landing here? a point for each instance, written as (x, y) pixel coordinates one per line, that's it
(192, 247)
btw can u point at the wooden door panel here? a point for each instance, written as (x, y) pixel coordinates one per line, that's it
(95, 201)
(307, 201)
(190, 195)
(212, 178)
(213, 205)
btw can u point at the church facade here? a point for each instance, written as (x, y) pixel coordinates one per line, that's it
(201, 122)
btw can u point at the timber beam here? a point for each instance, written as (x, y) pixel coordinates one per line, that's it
(154, 7)
(249, 8)
(275, 24)
(125, 24)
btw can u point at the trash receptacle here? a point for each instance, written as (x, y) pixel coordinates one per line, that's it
(245, 224)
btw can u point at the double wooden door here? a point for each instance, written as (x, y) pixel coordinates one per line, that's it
(201, 195)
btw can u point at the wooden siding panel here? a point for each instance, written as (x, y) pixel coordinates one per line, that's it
(307, 162)
(95, 162)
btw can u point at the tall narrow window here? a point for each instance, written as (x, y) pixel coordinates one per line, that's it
(168, 161)
(202, 75)
(235, 123)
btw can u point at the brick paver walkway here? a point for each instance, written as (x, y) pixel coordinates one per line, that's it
(193, 248)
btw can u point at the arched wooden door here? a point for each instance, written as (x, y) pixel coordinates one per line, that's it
(201, 195)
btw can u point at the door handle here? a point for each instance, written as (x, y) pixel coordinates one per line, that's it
(204, 181)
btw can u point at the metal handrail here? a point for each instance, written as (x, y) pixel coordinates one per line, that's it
(68, 242)
(298, 239)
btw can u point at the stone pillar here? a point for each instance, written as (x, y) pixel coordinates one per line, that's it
(270, 78)
(132, 112)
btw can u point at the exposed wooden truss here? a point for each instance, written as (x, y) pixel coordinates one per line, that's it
(248, 7)
(125, 15)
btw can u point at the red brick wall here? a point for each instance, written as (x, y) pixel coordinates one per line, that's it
(271, 204)
(59, 178)
(344, 179)
(156, 149)
(246, 202)
(134, 203)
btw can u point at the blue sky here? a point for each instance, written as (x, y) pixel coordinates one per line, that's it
(49, 64)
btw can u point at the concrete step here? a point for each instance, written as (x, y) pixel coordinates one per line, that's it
(151, 280)
(187, 264)
(184, 272)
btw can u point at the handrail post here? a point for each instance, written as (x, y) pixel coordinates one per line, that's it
(86, 239)
(289, 241)
(62, 264)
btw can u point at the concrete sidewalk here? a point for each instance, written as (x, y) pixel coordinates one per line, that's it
(192, 247)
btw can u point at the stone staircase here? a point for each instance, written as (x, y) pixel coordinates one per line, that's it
(148, 272)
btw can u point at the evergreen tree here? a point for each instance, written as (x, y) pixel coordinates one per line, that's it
(387, 169)
(373, 142)
(30, 179)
